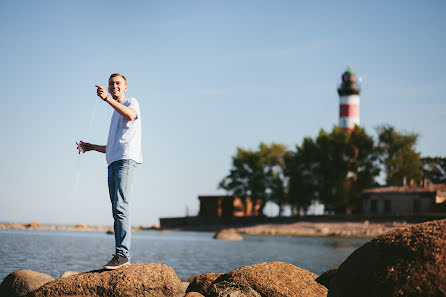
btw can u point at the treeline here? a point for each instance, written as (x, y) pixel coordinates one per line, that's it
(333, 168)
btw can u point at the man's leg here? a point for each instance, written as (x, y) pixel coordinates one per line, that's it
(120, 180)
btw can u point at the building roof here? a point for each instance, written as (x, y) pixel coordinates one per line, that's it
(408, 189)
(349, 71)
(214, 196)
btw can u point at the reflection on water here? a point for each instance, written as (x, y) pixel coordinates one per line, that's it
(189, 253)
(336, 243)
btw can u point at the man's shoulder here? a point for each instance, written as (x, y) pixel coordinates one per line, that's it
(131, 101)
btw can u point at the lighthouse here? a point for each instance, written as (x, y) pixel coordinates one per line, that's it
(348, 101)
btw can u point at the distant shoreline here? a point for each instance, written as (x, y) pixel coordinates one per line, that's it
(346, 229)
(363, 228)
(77, 227)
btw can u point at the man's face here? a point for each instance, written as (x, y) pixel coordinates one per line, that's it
(117, 87)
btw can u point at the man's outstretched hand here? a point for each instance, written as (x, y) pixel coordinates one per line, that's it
(84, 146)
(101, 91)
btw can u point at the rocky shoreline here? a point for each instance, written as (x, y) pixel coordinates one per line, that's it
(77, 227)
(357, 229)
(348, 229)
(408, 261)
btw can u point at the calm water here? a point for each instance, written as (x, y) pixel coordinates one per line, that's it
(189, 253)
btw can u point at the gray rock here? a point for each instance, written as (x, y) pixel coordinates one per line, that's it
(69, 273)
(227, 289)
(184, 285)
(22, 282)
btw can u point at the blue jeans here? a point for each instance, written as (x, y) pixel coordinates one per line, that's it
(120, 181)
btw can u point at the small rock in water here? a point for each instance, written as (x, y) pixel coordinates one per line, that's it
(33, 225)
(228, 234)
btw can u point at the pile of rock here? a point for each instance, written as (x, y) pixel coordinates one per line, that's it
(405, 262)
(153, 279)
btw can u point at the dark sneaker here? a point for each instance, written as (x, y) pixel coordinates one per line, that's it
(116, 262)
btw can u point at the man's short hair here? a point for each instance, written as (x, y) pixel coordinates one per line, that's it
(118, 74)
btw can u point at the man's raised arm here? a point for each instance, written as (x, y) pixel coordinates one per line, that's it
(127, 112)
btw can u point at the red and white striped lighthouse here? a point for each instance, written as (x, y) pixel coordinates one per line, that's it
(348, 101)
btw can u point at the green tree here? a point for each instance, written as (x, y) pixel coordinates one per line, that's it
(434, 169)
(398, 155)
(245, 177)
(299, 172)
(274, 160)
(258, 174)
(333, 169)
(366, 163)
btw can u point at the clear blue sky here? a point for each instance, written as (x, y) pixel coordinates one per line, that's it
(210, 76)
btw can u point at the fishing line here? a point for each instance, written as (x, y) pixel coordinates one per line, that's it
(80, 151)
(93, 114)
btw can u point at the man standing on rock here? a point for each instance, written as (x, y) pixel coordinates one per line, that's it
(122, 152)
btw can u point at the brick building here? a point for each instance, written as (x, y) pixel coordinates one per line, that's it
(405, 199)
(228, 207)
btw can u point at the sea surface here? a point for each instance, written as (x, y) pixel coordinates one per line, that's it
(189, 253)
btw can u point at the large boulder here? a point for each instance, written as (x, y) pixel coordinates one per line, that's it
(275, 279)
(141, 279)
(201, 282)
(404, 262)
(22, 282)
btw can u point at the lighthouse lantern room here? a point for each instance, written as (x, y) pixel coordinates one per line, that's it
(348, 101)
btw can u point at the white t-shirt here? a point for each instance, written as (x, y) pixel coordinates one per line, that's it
(124, 136)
